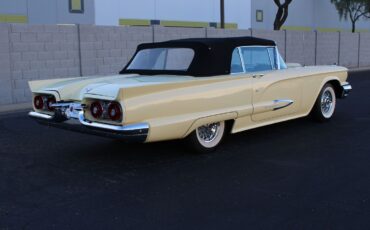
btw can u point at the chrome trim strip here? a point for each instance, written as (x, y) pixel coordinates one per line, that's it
(237, 73)
(140, 127)
(272, 66)
(241, 59)
(282, 103)
(133, 133)
(277, 54)
(76, 105)
(40, 115)
(258, 46)
(347, 87)
(59, 105)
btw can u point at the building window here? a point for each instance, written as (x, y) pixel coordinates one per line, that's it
(259, 15)
(76, 6)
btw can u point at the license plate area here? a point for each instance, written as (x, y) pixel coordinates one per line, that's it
(69, 110)
(73, 110)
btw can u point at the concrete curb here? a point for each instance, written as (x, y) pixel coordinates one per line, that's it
(4, 109)
(355, 70)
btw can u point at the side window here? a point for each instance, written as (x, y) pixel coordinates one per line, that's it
(236, 63)
(179, 59)
(282, 63)
(256, 59)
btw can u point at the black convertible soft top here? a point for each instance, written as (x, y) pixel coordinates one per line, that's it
(212, 55)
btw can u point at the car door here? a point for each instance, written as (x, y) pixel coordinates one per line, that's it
(244, 82)
(275, 93)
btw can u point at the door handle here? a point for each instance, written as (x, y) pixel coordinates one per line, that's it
(258, 75)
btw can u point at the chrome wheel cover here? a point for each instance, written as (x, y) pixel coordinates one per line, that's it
(211, 134)
(328, 102)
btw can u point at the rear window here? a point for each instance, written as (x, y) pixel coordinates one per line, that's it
(177, 59)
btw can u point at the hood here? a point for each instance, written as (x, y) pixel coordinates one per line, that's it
(107, 86)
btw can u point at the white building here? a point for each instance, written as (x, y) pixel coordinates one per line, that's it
(307, 15)
(169, 12)
(192, 13)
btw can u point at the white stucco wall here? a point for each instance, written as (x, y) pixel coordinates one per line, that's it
(13, 7)
(48, 11)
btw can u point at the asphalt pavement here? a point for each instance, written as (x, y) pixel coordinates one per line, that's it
(294, 175)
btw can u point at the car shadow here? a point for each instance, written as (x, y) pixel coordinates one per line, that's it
(114, 151)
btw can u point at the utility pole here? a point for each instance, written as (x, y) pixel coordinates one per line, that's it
(222, 13)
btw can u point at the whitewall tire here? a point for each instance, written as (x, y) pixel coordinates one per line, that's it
(325, 104)
(207, 138)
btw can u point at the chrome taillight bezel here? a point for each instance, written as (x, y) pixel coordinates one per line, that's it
(50, 102)
(38, 102)
(46, 100)
(114, 107)
(106, 107)
(96, 109)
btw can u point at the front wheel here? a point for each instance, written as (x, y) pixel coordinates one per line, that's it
(206, 138)
(325, 104)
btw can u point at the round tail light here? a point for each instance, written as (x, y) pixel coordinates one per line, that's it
(114, 111)
(50, 102)
(96, 109)
(38, 102)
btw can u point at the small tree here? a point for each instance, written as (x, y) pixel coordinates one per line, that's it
(352, 9)
(282, 13)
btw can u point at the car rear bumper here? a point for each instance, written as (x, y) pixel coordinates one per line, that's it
(130, 133)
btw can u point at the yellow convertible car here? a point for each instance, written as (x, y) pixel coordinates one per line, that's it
(198, 90)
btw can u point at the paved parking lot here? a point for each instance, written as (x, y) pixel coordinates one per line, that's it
(294, 175)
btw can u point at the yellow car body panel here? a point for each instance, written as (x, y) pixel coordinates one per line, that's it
(174, 106)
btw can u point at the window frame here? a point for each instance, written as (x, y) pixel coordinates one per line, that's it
(276, 57)
(273, 57)
(72, 11)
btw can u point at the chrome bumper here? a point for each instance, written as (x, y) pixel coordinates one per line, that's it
(346, 89)
(131, 133)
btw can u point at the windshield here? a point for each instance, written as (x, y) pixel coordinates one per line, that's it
(175, 59)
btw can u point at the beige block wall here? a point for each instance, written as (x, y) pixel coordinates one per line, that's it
(31, 52)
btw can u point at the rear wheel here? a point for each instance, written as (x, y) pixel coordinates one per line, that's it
(325, 104)
(206, 138)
